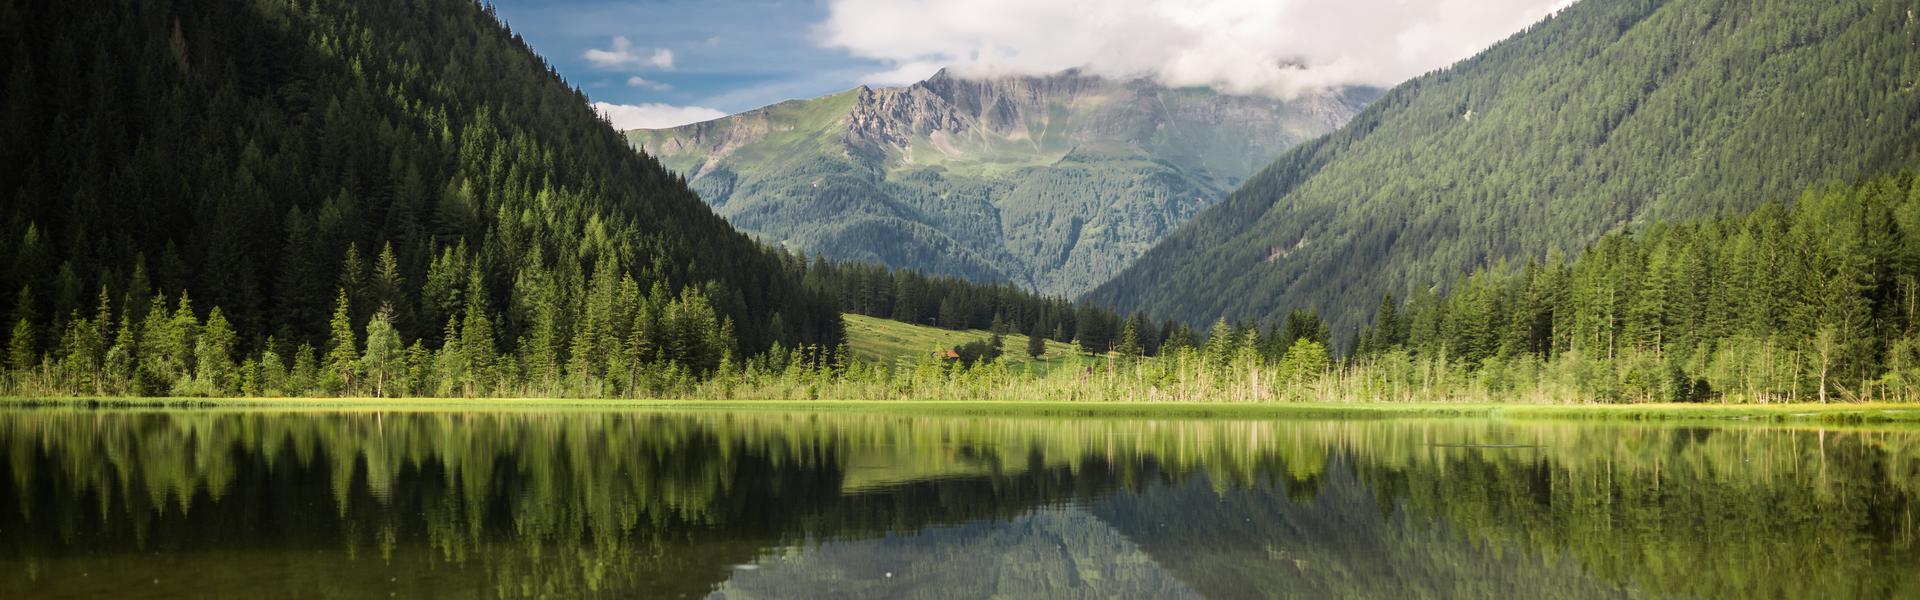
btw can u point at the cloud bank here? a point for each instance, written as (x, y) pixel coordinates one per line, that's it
(1276, 47)
(623, 55)
(653, 116)
(642, 82)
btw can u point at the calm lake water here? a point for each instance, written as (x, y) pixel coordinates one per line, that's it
(833, 505)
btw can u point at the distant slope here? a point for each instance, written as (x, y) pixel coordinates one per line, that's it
(885, 341)
(258, 156)
(1613, 113)
(1054, 183)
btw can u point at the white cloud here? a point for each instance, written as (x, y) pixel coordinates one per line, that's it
(903, 74)
(653, 116)
(1245, 46)
(623, 55)
(642, 82)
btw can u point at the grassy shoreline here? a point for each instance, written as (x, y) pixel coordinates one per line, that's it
(1820, 413)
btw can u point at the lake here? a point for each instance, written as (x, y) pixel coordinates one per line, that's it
(765, 504)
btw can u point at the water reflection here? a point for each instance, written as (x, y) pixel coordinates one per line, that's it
(756, 505)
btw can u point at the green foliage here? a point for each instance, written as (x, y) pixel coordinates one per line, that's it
(251, 155)
(303, 378)
(341, 372)
(215, 374)
(20, 356)
(385, 360)
(1305, 361)
(1812, 301)
(1612, 113)
(1128, 350)
(977, 352)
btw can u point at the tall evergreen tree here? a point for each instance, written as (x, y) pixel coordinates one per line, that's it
(341, 371)
(215, 372)
(1129, 348)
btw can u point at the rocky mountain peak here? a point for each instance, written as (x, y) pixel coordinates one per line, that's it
(954, 104)
(895, 116)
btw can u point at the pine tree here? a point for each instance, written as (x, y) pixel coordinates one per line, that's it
(1091, 331)
(102, 335)
(340, 374)
(117, 367)
(1147, 335)
(166, 347)
(420, 370)
(20, 356)
(476, 347)
(1221, 344)
(1648, 315)
(952, 315)
(1303, 324)
(1036, 344)
(1129, 349)
(304, 377)
(1388, 331)
(999, 334)
(214, 351)
(442, 296)
(273, 370)
(353, 281)
(1304, 362)
(592, 334)
(389, 287)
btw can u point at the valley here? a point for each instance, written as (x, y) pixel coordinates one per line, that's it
(1053, 183)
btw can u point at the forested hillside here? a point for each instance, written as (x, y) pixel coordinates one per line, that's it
(1052, 183)
(1612, 114)
(1815, 300)
(295, 196)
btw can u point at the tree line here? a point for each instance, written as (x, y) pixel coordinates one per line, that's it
(627, 342)
(1814, 300)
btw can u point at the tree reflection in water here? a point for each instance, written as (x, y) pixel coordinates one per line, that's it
(765, 504)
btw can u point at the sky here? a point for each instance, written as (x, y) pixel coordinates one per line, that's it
(662, 63)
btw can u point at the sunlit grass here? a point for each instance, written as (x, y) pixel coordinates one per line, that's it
(1775, 413)
(886, 342)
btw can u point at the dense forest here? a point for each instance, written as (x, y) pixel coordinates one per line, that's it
(1611, 114)
(319, 206)
(1817, 300)
(206, 196)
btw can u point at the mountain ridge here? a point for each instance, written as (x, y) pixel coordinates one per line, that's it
(1612, 113)
(1052, 182)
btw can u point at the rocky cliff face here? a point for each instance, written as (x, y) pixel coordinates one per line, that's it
(896, 116)
(1052, 182)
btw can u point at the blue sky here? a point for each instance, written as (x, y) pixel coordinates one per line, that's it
(727, 55)
(661, 63)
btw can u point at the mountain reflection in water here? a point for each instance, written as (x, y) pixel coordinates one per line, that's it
(770, 504)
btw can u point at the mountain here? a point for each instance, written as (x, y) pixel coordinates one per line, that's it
(1053, 182)
(1612, 114)
(271, 162)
